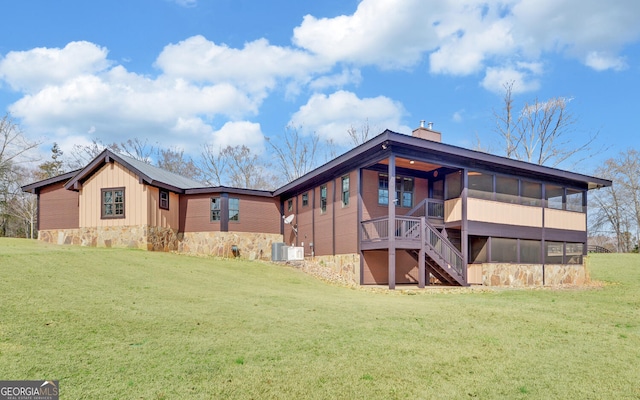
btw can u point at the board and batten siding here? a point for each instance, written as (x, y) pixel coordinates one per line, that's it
(113, 175)
(159, 217)
(58, 208)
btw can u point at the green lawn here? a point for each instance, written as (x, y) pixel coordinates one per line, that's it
(126, 324)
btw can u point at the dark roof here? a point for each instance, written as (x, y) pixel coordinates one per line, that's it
(148, 174)
(231, 190)
(381, 146)
(365, 155)
(33, 187)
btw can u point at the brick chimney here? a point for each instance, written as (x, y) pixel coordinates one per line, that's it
(427, 133)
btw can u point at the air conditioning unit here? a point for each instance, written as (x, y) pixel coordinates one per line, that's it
(295, 253)
(278, 252)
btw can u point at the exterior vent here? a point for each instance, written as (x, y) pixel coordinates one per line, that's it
(427, 133)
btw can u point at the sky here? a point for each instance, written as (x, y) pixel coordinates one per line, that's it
(184, 73)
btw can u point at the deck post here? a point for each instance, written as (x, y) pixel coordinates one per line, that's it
(392, 221)
(421, 261)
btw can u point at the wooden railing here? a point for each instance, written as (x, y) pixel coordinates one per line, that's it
(406, 228)
(442, 247)
(429, 208)
(409, 228)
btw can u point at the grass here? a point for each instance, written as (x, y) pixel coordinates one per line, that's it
(116, 324)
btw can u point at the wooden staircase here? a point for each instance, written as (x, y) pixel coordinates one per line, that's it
(442, 259)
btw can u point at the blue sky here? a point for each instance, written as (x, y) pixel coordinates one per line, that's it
(185, 73)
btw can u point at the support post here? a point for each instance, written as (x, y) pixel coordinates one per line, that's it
(392, 221)
(421, 258)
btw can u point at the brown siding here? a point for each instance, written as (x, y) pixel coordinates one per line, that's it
(323, 230)
(371, 209)
(195, 214)
(376, 272)
(257, 214)
(58, 208)
(347, 217)
(304, 221)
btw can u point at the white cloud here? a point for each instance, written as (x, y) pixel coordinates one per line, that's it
(30, 71)
(386, 33)
(576, 27)
(344, 78)
(255, 68)
(523, 75)
(331, 116)
(239, 133)
(601, 62)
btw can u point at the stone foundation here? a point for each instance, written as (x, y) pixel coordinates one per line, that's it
(343, 268)
(251, 246)
(531, 275)
(133, 237)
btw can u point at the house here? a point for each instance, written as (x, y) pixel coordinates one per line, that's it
(460, 216)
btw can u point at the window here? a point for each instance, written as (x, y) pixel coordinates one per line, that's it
(554, 253)
(574, 253)
(574, 200)
(531, 193)
(404, 191)
(553, 195)
(504, 250)
(480, 185)
(234, 209)
(290, 205)
(438, 190)
(305, 199)
(453, 185)
(507, 189)
(112, 205)
(530, 251)
(345, 191)
(323, 198)
(164, 199)
(215, 209)
(383, 190)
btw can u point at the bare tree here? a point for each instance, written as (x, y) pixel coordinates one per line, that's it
(213, 165)
(236, 166)
(361, 135)
(81, 155)
(246, 170)
(540, 132)
(15, 150)
(618, 207)
(24, 206)
(14, 146)
(135, 148)
(174, 160)
(505, 124)
(296, 156)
